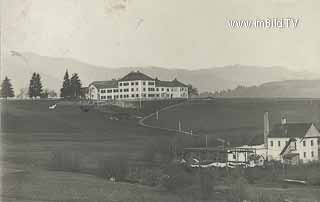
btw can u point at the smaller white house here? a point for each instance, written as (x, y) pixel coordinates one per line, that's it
(293, 143)
(247, 155)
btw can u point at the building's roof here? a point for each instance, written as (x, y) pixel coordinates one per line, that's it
(298, 130)
(134, 76)
(105, 84)
(173, 83)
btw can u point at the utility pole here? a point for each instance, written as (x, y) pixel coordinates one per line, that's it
(157, 115)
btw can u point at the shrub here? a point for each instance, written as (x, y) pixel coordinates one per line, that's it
(117, 167)
(176, 178)
(65, 161)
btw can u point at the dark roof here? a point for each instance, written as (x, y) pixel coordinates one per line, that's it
(105, 84)
(132, 76)
(173, 83)
(290, 130)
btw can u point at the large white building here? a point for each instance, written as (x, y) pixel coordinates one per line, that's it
(136, 86)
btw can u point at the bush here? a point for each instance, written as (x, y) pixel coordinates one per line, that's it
(176, 178)
(65, 161)
(117, 167)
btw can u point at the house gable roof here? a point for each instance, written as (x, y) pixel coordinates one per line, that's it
(297, 130)
(105, 84)
(173, 83)
(134, 76)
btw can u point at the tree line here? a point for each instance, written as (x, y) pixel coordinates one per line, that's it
(71, 88)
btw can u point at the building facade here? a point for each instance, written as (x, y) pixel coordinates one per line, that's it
(136, 86)
(293, 143)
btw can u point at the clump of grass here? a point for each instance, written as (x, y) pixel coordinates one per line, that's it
(116, 167)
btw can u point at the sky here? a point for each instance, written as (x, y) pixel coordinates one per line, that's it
(189, 34)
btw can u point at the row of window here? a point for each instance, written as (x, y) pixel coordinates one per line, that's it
(305, 154)
(103, 97)
(132, 90)
(150, 83)
(303, 143)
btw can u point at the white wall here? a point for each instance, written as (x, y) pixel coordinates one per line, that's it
(275, 150)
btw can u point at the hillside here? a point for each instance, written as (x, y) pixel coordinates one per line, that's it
(285, 89)
(19, 67)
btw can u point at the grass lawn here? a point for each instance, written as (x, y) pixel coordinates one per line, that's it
(31, 133)
(238, 120)
(67, 187)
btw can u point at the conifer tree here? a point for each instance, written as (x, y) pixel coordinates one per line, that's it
(65, 91)
(75, 86)
(35, 86)
(6, 88)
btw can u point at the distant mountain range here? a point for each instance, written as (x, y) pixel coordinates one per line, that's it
(279, 89)
(19, 66)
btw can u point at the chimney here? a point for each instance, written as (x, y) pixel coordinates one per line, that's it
(283, 120)
(266, 129)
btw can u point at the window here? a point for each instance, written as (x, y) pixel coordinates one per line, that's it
(168, 89)
(120, 96)
(137, 95)
(115, 90)
(132, 89)
(109, 97)
(102, 91)
(126, 84)
(304, 143)
(137, 89)
(279, 144)
(234, 156)
(132, 95)
(116, 96)
(126, 90)
(162, 89)
(120, 90)
(311, 142)
(157, 89)
(304, 154)
(144, 89)
(137, 83)
(120, 84)
(150, 83)
(271, 143)
(312, 154)
(318, 141)
(144, 83)
(132, 83)
(109, 91)
(103, 97)
(150, 89)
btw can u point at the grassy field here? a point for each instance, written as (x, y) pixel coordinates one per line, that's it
(240, 121)
(32, 134)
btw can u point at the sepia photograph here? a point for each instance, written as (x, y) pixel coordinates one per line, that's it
(159, 101)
